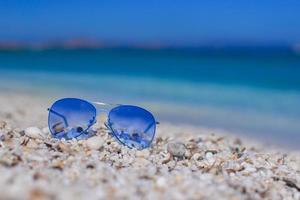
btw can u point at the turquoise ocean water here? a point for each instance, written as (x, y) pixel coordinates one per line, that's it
(251, 92)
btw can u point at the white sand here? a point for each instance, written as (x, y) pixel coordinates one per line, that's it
(213, 166)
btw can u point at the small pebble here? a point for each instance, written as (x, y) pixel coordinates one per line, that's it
(177, 149)
(46, 130)
(210, 158)
(209, 155)
(2, 136)
(32, 144)
(94, 142)
(143, 153)
(161, 182)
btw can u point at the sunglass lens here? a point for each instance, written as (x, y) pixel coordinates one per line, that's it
(132, 125)
(70, 118)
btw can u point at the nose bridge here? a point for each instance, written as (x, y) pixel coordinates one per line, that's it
(103, 108)
(101, 111)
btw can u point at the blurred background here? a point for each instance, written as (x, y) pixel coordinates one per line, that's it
(231, 65)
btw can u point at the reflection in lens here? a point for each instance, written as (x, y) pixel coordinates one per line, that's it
(132, 125)
(70, 118)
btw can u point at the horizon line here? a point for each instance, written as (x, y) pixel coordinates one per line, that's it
(83, 43)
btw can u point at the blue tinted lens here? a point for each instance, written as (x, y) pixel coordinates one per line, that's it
(132, 125)
(70, 118)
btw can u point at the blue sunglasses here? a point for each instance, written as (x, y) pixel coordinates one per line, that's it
(72, 118)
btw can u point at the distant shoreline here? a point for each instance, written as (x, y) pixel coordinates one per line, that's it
(251, 49)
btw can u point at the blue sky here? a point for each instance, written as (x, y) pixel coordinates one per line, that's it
(152, 21)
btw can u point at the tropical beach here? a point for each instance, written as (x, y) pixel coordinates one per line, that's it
(149, 100)
(250, 93)
(215, 140)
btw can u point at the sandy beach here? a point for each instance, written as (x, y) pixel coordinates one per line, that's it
(183, 163)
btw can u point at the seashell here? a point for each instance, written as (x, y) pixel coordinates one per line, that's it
(58, 164)
(197, 157)
(34, 132)
(141, 162)
(167, 158)
(2, 124)
(10, 160)
(188, 154)
(63, 148)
